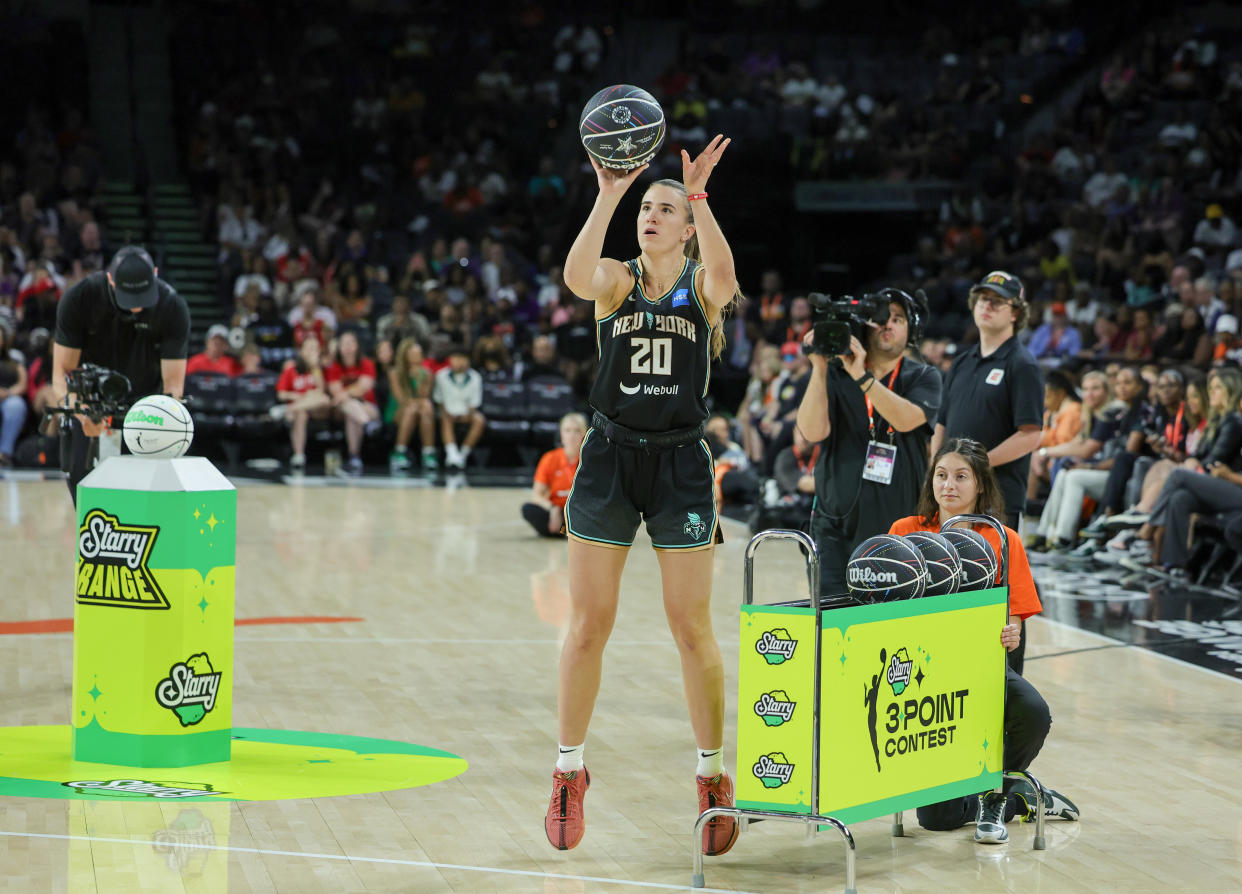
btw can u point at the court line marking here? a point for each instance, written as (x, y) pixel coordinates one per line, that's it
(426, 864)
(1111, 639)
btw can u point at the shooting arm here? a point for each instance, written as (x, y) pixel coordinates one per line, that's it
(173, 374)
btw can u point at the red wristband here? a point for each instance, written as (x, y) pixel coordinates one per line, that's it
(696, 195)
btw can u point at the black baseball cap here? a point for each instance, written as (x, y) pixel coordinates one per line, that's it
(132, 274)
(1004, 284)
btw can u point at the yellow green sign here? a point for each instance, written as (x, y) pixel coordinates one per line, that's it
(153, 616)
(912, 703)
(775, 716)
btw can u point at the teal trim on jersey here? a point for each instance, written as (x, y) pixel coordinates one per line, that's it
(638, 282)
(568, 523)
(715, 525)
(707, 342)
(599, 323)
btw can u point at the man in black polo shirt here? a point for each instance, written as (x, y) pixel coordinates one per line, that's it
(125, 319)
(994, 392)
(878, 404)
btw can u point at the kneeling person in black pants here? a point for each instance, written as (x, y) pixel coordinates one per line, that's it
(961, 482)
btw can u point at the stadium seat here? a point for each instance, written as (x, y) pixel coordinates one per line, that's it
(550, 398)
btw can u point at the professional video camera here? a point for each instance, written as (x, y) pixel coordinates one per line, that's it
(834, 320)
(101, 392)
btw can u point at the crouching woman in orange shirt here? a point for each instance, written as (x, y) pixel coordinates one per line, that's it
(960, 482)
(554, 477)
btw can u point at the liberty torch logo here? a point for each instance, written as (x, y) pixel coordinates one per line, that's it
(695, 526)
(190, 688)
(112, 563)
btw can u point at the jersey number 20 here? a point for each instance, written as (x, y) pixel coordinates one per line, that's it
(652, 356)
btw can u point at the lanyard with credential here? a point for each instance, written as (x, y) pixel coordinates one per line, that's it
(870, 410)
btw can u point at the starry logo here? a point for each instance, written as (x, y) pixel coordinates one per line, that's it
(776, 646)
(190, 688)
(112, 563)
(773, 770)
(898, 674)
(186, 841)
(140, 788)
(775, 707)
(694, 527)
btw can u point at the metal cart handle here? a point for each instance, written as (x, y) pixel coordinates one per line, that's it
(1000, 533)
(812, 562)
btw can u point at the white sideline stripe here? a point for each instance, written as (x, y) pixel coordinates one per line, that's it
(1147, 650)
(613, 133)
(380, 860)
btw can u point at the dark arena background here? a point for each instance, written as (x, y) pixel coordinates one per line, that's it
(411, 174)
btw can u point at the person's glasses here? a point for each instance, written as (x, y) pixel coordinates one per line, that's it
(995, 302)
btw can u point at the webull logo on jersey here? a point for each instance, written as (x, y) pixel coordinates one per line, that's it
(775, 707)
(773, 770)
(190, 688)
(112, 563)
(776, 646)
(867, 575)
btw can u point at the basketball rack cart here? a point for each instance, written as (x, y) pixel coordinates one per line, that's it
(813, 820)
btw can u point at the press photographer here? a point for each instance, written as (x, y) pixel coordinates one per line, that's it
(125, 321)
(872, 406)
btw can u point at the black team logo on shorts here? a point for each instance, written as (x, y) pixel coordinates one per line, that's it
(694, 527)
(112, 563)
(190, 688)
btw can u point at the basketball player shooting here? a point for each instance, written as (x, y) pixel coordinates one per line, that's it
(658, 319)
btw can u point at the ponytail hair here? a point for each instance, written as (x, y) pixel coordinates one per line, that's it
(692, 252)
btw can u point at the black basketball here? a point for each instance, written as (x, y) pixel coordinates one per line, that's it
(978, 559)
(622, 127)
(885, 568)
(944, 567)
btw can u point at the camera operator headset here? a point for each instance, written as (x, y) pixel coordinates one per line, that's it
(126, 320)
(872, 407)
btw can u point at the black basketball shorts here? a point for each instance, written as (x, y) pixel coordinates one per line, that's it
(617, 486)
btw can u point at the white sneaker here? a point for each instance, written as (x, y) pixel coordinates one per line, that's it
(1121, 542)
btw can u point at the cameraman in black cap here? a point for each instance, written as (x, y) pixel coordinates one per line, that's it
(872, 408)
(125, 319)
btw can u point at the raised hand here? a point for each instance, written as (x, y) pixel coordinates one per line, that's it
(614, 183)
(694, 174)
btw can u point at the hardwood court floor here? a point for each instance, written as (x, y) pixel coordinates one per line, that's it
(458, 649)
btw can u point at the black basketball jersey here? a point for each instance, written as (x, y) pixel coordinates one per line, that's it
(655, 357)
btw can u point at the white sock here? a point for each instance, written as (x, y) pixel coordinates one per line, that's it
(463, 453)
(569, 758)
(711, 763)
(429, 451)
(451, 454)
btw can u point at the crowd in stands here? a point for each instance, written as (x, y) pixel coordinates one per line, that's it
(391, 207)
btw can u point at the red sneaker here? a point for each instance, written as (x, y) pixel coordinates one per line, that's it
(564, 823)
(720, 832)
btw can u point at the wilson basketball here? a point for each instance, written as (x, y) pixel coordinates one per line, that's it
(944, 567)
(885, 568)
(622, 127)
(158, 427)
(978, 559)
